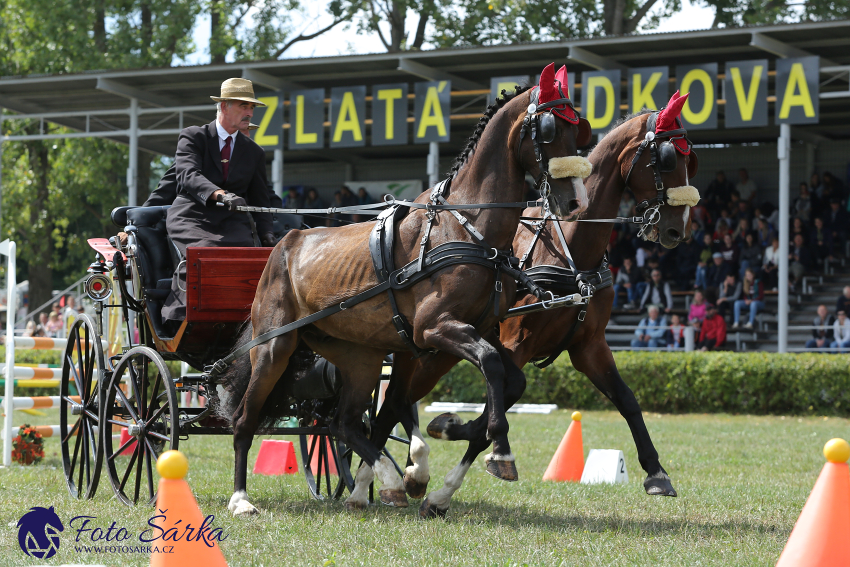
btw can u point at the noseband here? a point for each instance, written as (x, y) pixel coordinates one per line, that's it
(663, 159)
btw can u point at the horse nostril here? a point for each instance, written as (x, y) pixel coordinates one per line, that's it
(673, 234)
(573, 205)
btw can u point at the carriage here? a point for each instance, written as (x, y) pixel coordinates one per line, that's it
(139, 389)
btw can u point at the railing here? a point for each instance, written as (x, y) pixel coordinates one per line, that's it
(689, 335)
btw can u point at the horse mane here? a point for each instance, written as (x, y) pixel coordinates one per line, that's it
(489, 113)
(616, 125)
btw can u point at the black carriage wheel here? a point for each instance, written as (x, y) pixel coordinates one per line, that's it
(79, 421)
(322, 482)
(149, 410)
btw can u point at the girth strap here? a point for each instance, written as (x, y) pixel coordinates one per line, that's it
(564, 342)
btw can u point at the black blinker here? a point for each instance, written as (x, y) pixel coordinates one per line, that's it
(547, 127)
(667, 159)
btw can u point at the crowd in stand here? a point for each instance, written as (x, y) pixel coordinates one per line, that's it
(730, 261)
(54, 323)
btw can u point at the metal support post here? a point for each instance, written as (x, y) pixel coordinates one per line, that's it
(133, 169)
(433, 163)
(8, 248)
(1, 171)
(784, 154)
(690, 338)
(277, 172)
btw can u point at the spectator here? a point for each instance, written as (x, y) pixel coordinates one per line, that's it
(821, 240)
(746, 187)
(348, 200)
(764, 233)
(728, 294)
(363, 198)
(843, 303)
(719, 192)
(837, 222)
(705, 256)
(815, 186)
(841, 330)
(798, 228)
(743, 212)
(713, 333)
(676, 333)
(802, 207)
(629, 278)
(687, 257)
(770, 264)
(313, 201)
(700, 214)
(751, 255)
(832, 187)
(741, 231)
(696, 229)
(754, 299)
(336, 219)
(70, 315)
(697, 310)
(41, 329)
(31, 329)
(723, 225)
(800, 258)
(717, 271)
(54, 325)
(729, 250)
(657, 293)
(292, 200)
(825, 333)
(650, 333)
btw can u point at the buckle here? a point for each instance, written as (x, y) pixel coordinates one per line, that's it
(498, 286)
(581, 314)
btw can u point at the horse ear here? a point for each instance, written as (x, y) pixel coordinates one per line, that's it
(693, 164)
(561, 77)
(584, 133)
(547, 84)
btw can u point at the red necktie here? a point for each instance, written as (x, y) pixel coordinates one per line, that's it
(225, 156)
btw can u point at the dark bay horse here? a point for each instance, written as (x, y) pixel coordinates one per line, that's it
(315, 269)
(543, 333)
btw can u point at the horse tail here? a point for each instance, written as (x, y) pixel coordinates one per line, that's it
(237, 377)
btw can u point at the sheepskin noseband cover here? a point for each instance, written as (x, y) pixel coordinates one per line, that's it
(686, 195)
(571, 166)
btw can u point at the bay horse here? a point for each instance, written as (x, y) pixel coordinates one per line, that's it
(618, 160)
(320, 269)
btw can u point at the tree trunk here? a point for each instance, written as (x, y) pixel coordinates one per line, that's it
(396, 22)
(218, 45)
(608, 14)
(617, 19)
(41, 221)
(419, 38)
(99, 29)
(146, 32)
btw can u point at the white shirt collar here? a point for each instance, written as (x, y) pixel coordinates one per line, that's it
(223, 135)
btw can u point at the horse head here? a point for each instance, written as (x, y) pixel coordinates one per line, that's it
(547, 137)
(657, 166)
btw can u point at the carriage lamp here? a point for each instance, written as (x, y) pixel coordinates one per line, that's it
(98, 287)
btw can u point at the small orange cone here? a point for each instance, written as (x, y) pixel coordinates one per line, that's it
(276, 457)
(314, 461)
(125, 436)
(567, 463)
(176, 502)
(819, 539)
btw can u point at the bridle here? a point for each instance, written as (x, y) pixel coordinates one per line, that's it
(539, 123)
(663, 159)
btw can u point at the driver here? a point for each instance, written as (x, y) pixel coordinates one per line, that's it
(217, 169)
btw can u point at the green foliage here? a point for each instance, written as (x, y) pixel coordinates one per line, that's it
(753, 383)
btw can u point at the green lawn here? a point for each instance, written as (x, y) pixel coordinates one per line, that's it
(742, 481)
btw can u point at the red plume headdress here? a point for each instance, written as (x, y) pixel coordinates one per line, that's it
(668, 119)
(554, 86)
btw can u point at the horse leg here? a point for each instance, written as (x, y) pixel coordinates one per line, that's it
(268, 363)
(595, 360)
(437, 503)
(462, 340)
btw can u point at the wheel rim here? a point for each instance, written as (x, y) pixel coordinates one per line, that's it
(79, 422)
(327, 472)
(149, 410)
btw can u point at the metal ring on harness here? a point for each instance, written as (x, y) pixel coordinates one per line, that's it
(389, 199)
(495, 254)
(543, 301)
(652, 215)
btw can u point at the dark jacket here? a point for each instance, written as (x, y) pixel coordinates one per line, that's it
(192, 219)
(826, 331)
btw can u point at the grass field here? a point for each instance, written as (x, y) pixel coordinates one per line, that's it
(742, 481)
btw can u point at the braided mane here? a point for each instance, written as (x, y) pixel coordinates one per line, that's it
(491, 111)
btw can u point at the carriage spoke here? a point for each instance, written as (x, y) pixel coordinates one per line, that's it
(71, 432)
(121, 423)
(157, 414)
(126, 403)
(129, 467)
(149, 469)
(92, 415)
(325, 443)
(88, 363)
(134, 381)
(139, 465)
(92, 452)
(121, 448)
(159, 436)
(76, 454)
(154, 395)
(83, 459)
(76, 377)
(81, 375)
(150, 447)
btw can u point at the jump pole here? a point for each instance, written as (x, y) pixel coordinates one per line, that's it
(8, 248)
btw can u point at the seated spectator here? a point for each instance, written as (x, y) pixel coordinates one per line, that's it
(675, 336)
(821, 241)
(685, 261)
(292, 200)
(824, 334)
(746, 187)
(751, 254)
(837, 221)
(697, 309)
(657, 293)
(797, 227)
(843, 303)
(800, 258)
(815, 186)
(30, 330)
(770, 264)
(41, 329)
(728, 294)
(802, 207)
(723, 229)
(696, 229)
(718, 192)
(313, 201)
(729, 250)
(704, 261)
(700, 215)
(841, 330)
(743, 212)
(54, 325)
(764, 233)
(717, 271)
(753, 291)
(630, 279)
(741, 231)
(363, 198)
(713, 333)
(650, 333)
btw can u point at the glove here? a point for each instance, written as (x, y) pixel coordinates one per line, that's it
(122, 238)
(268, 240)
(231, 201)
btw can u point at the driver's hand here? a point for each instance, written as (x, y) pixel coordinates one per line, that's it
(231, 201)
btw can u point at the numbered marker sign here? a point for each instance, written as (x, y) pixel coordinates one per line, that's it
(605, 466)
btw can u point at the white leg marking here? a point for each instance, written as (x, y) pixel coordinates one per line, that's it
(386, 473)
(239, 505)
(493, 457)
(419, 451)
(360, 495)
(442, 497)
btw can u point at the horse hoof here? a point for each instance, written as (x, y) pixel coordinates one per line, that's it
(393, 497)
(244, 509)
(414, 488)
(355, 505)
(659, 484)
(438, 428)
(428, 510)
(503, 470)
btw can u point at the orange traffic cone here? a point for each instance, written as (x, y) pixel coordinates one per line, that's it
(276, 457)
(315, 465)
(180, 546)
(567, 463)
(819, 539)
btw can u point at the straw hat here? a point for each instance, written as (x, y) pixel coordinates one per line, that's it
(237, 89)
(252, 126)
